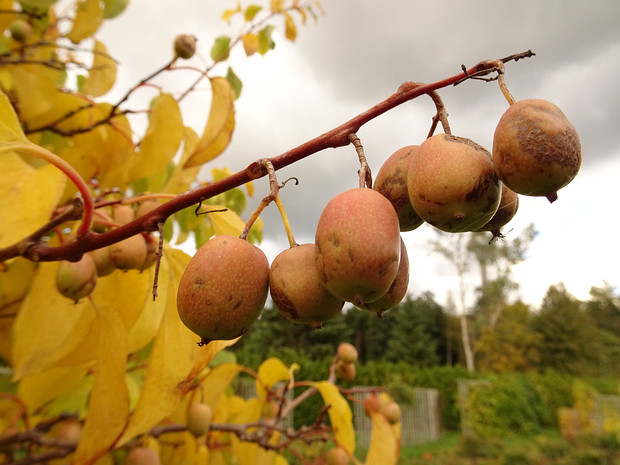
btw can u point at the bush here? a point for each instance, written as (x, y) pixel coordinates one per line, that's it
(509, 404)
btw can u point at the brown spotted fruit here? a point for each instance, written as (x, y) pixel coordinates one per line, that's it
(508, 206)
(536, 150)
(452, 183)
(358, 245)
(223, 289)
(76, 280)
(397, 291)
(297, 290)
(391, 182)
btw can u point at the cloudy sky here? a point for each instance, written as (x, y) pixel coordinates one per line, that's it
(359, 53)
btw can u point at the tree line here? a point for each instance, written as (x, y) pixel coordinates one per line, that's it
(565, 334)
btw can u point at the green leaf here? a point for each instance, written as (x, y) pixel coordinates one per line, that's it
(235, 82)
(251, 11)
(265, 42)
(219, 51)
(113, 8)
(38, 4)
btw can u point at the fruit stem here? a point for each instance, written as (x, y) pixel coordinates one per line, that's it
(502, 83)
(364, 173)
(440, 116)
(69, 171)
(287, 225)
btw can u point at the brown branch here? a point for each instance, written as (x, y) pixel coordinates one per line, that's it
(337, 137)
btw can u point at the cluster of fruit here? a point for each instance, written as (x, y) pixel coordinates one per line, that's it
(358, 255)
(76, 280)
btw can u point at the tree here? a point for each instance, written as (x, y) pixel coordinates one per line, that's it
(418, 332)
(570, 341)
(116, 354)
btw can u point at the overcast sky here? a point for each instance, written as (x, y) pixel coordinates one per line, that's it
(359, 53)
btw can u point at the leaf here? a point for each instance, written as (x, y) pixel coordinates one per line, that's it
(235, 82)
(270, 372)
(277, 5)
(10, 129)
(36, 390)
(113, 8)
(108, 406)
(220, 125)
(250, 43)
(175, 359)
(87, 20)
(265, 42)
(384, 442)
(48, 325)
(217, 381)
(102, 74)
(127, 290)
(339, 414)
(290, 30)
(251, 11)
(226, 222)
(220, 50)
(230, 13)
(161, 140)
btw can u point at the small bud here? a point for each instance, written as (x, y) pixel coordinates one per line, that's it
(184, 46)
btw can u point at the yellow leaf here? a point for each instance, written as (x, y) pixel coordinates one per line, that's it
(270, 372)
(108, 405)
(10, 129)
(250, 43)
(280, 460)
(225, 222)
(290, 30)
(37, 390)
(29, 194)
(249, 453)
(384, 446)
(249, 186)
(220, 125)
(161, 140)
(339, 414)
(147, 324)
(102, 75)
(217, 381)
(87, 20)
(175, 359)
(127, 290)
(48, 325)
(277, 5)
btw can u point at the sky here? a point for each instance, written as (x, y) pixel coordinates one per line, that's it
(357, 54)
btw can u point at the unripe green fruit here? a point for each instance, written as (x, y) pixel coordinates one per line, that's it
(391, 182)
(337, 456)
(184, 46)
(536, 150)
(76, 280)
(358, 245)
(508, 206)
(223, 288)
(20, 30)
(270, 409)
(347, 352)
(391, 411)
(129, 254)
(101, 257)
(297, 290)
(199, 417)
(452, 183)
(142, 456)
(345, 371)
(397, 291)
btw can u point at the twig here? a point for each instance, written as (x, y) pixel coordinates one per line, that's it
(337, 137)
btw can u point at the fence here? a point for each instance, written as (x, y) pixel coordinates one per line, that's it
(420, 420)
(247, 390)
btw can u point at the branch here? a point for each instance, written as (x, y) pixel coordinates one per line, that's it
(337, 137)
